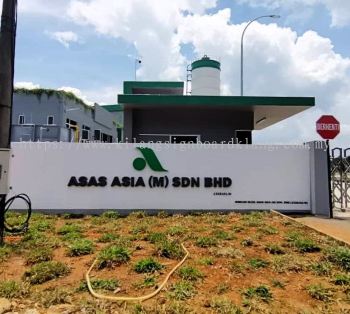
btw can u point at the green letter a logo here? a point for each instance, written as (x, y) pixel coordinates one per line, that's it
(149, 158)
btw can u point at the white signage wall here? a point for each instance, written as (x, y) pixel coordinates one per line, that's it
(70, 176)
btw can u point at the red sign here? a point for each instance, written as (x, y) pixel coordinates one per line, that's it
(328, 127)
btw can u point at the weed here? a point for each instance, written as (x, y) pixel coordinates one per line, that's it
(147, 265)
(141, 228)
(5, 251)
(107, 237)
(170, 249)
(41, 225)
(284, 263)
(206, 261)
(322, 268)
(190, 273)
(148, 281)
(69, 228)
(72, 236)
(80, 247)
(176, 231)
(319, 292)
(237, 229)
(113, 256)
(278, 283)
(269, 230)
(306, 245)
(274, 249)
(237, 268)
(138, 214)
(45, 271)
(182, 290)
(52, 296)
(110, 214)
(342, 280)
(206, 242)
(247, 242)
(227, 252)
(100, 284)
(293, 236)
(222, 288)
(262, 292)
(156, 237)
(253, 219)
(38, 255)
(258, 263)
(13, 289)
(224, 306)
(340, 256)
(222, 235)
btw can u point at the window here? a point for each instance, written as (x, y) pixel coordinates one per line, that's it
(97, 135)
(50, 120)
(85, 133)
(21, 119)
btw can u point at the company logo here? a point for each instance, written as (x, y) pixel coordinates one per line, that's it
(150, 159)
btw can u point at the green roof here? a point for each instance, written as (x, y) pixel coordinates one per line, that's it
(129, 85)
(238, 101)
(206, 62)
(113, 108)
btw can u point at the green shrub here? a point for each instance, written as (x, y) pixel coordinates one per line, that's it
(52, 296)
(274, 249)
(156, 237)
(13, 289)
(190, 273)
(306, 245)
(258, 263)
(38, 255)
(111, 214)
(319, 292)
(207, 261)
(261, 292)
(45, 271)
(182, 290)
(322, 268)
(147, 265)
(342, 280)
(269, 230)
(224, 306)
(222, 235)
(340, 256)
(5, 251)
(113, 256)
(176, 230)
(148, 281)
(69, 228)
(170, 249)
(41, 225)
(80, 247)
(107, 237)
(100, 284)
(206, 242)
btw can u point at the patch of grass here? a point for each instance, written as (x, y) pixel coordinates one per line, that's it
(176, 231)
(5, 252)
(182, 290)
(293, 236)
(304, 245)
(319, 292)
(322, 268)
(80, 247)
(38, 255)
(237, 268)
(170, 249)
(274, 249)
(268, 230)
(247, 242)
(156, 237)
(288, 263)
(278, 284)
(52, 296)
(72, 236)
(12, 289)
(222, 235)
(110, 214)
(238, 228)
(45, 271)
(261, 292)
(341, 280)
(190, 273)
(227, 252)
(222, 288)
(257, 263)
(253, 219)
(147, 265)
(340, 256)
(107, 238)
(206, 242)
(208, 261)
(42, 225)
(69, 228)
(148, 281)
(100, 284)
(112, 256)
(224, 306)
(138, 214)
(139, 229)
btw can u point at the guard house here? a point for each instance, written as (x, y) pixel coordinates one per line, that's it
(164, 112)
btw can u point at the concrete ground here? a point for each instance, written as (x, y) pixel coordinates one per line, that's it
(338, 227)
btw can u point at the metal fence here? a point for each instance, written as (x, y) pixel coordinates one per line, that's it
(340, 176)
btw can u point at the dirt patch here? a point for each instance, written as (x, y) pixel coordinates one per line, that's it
(231, 253)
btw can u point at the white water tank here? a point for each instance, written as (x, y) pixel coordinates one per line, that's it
(206, 77)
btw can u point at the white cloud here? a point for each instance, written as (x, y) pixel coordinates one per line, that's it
(339, 9)
(26, 85)
(43, 7)
(77, 92)
(65, 38)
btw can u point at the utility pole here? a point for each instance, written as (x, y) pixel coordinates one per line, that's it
(7, 60)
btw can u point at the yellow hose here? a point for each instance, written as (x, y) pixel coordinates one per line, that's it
(133, 299)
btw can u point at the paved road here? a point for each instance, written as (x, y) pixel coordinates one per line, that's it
(339, 227)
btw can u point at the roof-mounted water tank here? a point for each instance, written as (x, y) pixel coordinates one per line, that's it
(206, 77)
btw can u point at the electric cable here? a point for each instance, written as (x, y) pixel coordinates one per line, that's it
(133, 299)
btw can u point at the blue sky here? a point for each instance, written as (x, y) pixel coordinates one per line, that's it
(89, 46)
